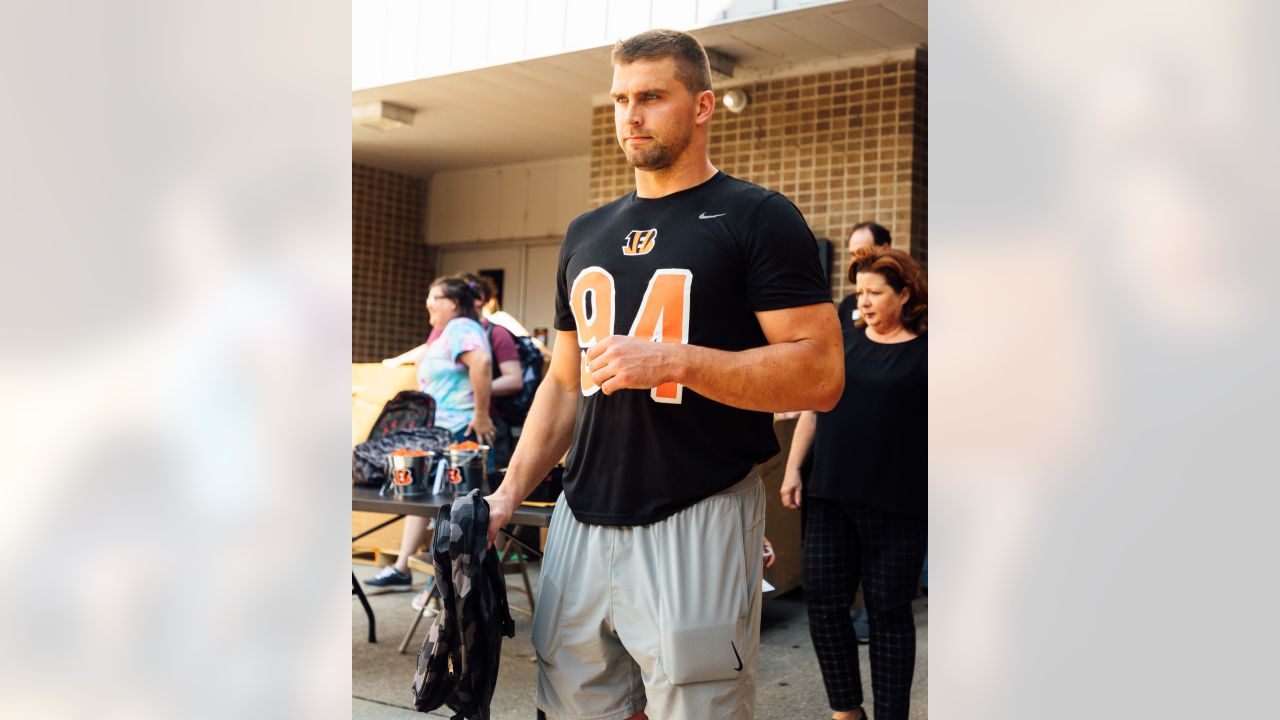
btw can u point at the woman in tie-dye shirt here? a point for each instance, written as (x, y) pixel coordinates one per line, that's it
(457, 370)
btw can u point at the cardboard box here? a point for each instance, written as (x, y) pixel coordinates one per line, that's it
(372, 385)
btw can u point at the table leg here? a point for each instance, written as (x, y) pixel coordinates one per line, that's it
(368, 611)
(376, 528)
(355, 584)
(512, 538)
(434, 590)
(519, 564)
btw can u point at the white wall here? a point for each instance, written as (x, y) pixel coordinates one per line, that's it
(541, 264)
(395, 41)
(523, 200)
(529, 273)
(509, 217)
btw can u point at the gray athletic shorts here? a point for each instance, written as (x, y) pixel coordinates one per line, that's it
(662, 617)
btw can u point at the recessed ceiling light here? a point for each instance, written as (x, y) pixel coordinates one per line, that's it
(381, 115)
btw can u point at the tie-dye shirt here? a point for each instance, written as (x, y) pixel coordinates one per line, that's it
(441, 376)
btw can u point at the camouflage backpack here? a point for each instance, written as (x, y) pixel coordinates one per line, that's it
(459, 658)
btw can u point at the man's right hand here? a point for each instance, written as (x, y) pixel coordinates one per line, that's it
(501, 508)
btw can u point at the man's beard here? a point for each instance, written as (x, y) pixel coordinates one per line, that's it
(654, 155)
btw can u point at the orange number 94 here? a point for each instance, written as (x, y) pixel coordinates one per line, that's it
(663, 317)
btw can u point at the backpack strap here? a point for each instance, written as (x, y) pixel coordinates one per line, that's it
(488, 331)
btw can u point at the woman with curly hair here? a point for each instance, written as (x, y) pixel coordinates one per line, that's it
(867, 496)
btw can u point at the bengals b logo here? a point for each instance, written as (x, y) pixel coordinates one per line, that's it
(640, 242)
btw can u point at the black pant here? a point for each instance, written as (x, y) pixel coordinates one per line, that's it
(845, 544)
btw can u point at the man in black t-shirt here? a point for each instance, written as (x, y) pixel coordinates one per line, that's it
(864, 234)
(687, 312)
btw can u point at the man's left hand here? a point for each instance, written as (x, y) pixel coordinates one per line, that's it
(621, 362)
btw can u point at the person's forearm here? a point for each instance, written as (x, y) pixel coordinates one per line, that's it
(510, 381)
(801, 440)
(503, 386)
(409, 358)
(547, 434)
(773, 378)
(542, 348)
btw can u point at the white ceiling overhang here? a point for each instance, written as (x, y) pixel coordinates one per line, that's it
(541, 108)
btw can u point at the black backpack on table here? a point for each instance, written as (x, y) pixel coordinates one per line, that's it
(404, 423)
(407, 410)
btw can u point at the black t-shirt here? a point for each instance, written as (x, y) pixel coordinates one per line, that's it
(694, 267)
(873, 447)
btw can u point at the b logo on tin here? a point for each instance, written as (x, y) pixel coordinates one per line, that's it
(640, 242)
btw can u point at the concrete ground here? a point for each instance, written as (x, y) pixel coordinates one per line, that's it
(789, 686)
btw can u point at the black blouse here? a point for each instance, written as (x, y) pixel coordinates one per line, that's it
(872, 449)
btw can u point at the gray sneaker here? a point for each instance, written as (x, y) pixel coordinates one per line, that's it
(391, 580)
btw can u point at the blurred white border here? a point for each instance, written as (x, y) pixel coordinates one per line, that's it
(1099, 295)
(176, 196)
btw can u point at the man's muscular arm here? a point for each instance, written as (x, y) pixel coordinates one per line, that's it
(547, 434)
(802, 367)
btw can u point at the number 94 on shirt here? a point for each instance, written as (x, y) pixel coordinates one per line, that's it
(663, 317)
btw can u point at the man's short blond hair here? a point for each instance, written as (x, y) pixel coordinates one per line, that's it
(692, 67)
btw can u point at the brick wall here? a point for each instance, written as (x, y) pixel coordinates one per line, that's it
(391, 266)
(845, 145)
(920, 162)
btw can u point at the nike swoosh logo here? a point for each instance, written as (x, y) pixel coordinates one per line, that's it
(735, 654)
(704, 216)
